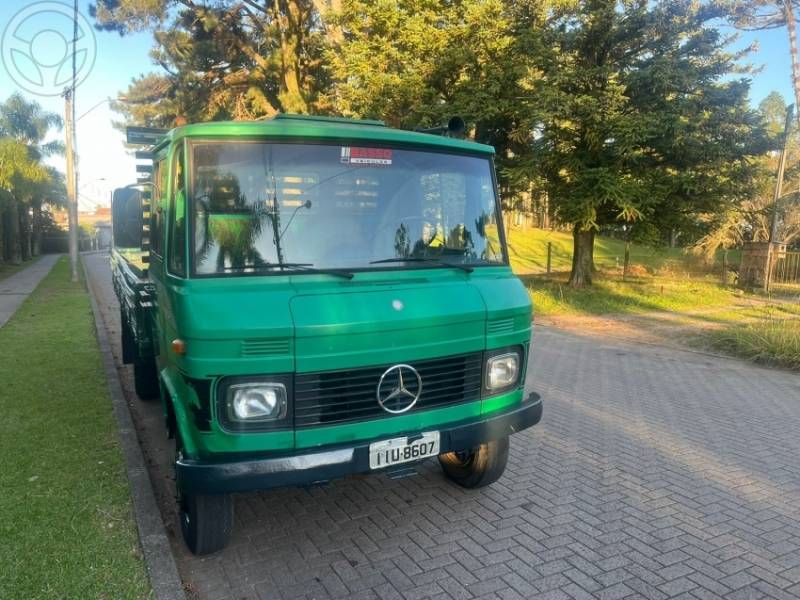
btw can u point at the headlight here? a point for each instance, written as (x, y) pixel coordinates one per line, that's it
(502, 371)
(254, 402)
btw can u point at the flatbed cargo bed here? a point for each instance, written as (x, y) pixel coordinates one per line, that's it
(136, 300)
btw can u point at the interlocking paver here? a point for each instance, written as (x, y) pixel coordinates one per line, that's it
(654, 474)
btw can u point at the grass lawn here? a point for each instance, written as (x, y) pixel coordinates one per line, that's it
(6, 269)
(773, 341)
(528, 252)
(662, 282)
(609, 295)
(701, 312)
(66, 527)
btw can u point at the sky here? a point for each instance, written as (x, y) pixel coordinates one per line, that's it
(104, 164)
(108, 62)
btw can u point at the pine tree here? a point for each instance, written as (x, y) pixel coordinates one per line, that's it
(225, 60)
(634, 119)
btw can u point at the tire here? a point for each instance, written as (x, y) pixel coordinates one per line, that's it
(145, 379)
(478, 467)
(206, 521)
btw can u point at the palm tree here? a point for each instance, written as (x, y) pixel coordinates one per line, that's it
(24, 126)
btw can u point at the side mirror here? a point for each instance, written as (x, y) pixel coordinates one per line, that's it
(126, 217)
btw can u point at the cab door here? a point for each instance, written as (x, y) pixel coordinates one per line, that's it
(169, 223)
(156, 238)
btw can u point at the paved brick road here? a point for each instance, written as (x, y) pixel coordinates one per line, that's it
(654, 474)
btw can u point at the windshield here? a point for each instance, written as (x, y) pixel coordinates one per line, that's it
(259, 205)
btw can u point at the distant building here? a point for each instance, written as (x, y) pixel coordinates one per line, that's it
(102, 234)
(101, 213)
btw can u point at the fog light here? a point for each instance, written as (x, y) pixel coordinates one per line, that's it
(502, 371)
(256, 402)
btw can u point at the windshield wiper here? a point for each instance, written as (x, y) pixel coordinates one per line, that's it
(433, 261)
(309, 268)
(305, 267)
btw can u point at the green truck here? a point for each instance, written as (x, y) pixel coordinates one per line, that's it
(312, 297)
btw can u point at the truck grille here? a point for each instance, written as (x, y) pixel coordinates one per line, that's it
(343, 396)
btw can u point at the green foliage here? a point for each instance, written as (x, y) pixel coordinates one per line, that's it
(28, 123)
(17, 169)
(774, 341)
(751, 218)
(757, 14)
(773, 110)
(222, 60)
(24, 179)
(416, 63)
(23, 129)
(619, 112)
(634, 118)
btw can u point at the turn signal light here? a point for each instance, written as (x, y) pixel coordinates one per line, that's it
(179, 346)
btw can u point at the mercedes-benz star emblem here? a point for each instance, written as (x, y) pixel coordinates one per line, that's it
(399, 389)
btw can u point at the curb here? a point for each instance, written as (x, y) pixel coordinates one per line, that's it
(160, 563)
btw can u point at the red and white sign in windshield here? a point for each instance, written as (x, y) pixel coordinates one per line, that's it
(366, 156)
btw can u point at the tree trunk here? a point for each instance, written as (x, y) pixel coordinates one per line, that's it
(582, 263)
(290, 30)
(2, 233)
(15, 254)
(25, 232)
(36, 249)
(791, 25)
(326, 8)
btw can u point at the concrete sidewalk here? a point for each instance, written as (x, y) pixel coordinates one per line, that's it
(16, 288)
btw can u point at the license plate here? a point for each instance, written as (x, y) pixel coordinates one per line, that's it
(401, 450)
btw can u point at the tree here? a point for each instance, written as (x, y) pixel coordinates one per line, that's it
(223, 60)
(771, 14)
(416, 63)
(773, 112)
(707, 136)
(751, 219)
(24, 125)
(634, 120)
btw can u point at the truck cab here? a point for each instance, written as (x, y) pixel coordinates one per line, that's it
(314, 297)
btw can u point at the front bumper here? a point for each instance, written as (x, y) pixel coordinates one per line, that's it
(209, 477)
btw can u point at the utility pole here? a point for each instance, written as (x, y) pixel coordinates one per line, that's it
(72, 178)
(773, 231)
(791, 26)
(72, 192)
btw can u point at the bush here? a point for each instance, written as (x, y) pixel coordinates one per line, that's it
(772, 341)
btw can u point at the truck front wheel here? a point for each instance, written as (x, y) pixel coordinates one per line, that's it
(145, 378)
(206, 521)
(477, 467)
